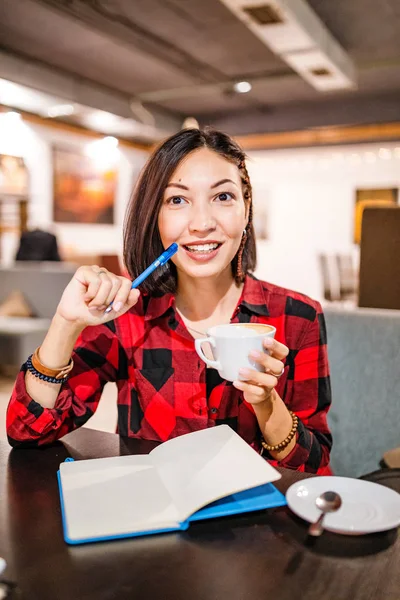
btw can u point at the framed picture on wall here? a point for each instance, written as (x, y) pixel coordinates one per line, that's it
(371, 198)
(84, 189)
(14, 179)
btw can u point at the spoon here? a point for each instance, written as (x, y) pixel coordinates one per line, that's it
(326, 502)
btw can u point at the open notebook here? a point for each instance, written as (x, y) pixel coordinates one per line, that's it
(200, 475)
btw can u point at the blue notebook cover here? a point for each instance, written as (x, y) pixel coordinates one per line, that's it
(258, 498)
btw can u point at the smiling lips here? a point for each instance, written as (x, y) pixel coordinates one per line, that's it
(202, 251)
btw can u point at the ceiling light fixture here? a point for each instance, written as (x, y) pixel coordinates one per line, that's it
(61, 110)
(12, 114)
(102, 121)
(385, 153)
(190, 123)
(295, 33)
(111, 141)
(103, 152)
(242, 87)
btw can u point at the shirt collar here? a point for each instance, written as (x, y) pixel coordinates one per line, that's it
(253, 299)
(157, 306)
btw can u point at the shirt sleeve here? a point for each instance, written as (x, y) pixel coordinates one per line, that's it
(96, 360)
(310, 399)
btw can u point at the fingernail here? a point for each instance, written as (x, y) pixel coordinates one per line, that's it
(255, 354)
(268, 342)
(117, 306)
(237, 384)
(244, 374)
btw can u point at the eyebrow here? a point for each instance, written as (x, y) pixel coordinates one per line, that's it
(222, 182)
(215, 185)
(177, 185)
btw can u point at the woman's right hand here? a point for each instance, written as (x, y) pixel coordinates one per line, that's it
(90, 292)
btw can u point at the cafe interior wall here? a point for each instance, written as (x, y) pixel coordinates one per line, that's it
(34, 143)
(308, 198)
(305, 198)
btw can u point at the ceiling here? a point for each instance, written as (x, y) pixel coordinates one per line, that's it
(179, 58)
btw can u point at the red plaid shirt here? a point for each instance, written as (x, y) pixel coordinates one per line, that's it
(162, 386)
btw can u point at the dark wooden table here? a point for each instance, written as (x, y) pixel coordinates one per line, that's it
(261, 556)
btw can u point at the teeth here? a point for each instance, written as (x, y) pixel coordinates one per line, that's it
(202, 248)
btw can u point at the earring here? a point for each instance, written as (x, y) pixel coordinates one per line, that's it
(239, 268)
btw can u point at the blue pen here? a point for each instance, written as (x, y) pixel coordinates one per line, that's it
(161, 260)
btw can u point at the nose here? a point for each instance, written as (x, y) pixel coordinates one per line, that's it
(202, 220)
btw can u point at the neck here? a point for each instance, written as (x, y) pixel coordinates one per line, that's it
(201, 298)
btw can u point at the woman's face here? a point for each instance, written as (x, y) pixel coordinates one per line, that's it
(203, 211)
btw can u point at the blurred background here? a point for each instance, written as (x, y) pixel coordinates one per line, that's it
(310, 89)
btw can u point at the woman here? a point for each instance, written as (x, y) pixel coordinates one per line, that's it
(194, 190)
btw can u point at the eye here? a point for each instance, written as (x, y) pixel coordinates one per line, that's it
(225, 197)
(176, 200)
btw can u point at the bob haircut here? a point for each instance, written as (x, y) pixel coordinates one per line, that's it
(142, 242)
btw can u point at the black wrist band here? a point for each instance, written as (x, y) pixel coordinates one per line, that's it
(40, 375)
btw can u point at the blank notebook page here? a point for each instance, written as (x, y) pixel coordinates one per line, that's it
(114, 496)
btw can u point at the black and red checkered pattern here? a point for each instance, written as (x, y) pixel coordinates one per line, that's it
(165, 390)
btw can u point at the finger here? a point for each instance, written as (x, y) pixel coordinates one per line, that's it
(116, 284)
(255, 378)
(250, 391)
(103, 292)
(90, 280)
(122, 296)
(93, 288)
(132, 298)
(275, 348)
(270, 364)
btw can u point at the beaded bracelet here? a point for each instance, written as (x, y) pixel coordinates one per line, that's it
(40, 375)
(288, 438)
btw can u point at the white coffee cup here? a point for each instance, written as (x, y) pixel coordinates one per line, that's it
(231, 345)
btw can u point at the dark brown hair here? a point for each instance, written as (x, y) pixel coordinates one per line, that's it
(142, 242)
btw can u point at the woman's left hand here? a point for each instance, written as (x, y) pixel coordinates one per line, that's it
(256, 386)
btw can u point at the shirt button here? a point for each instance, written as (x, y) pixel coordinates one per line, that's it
(214, 411)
